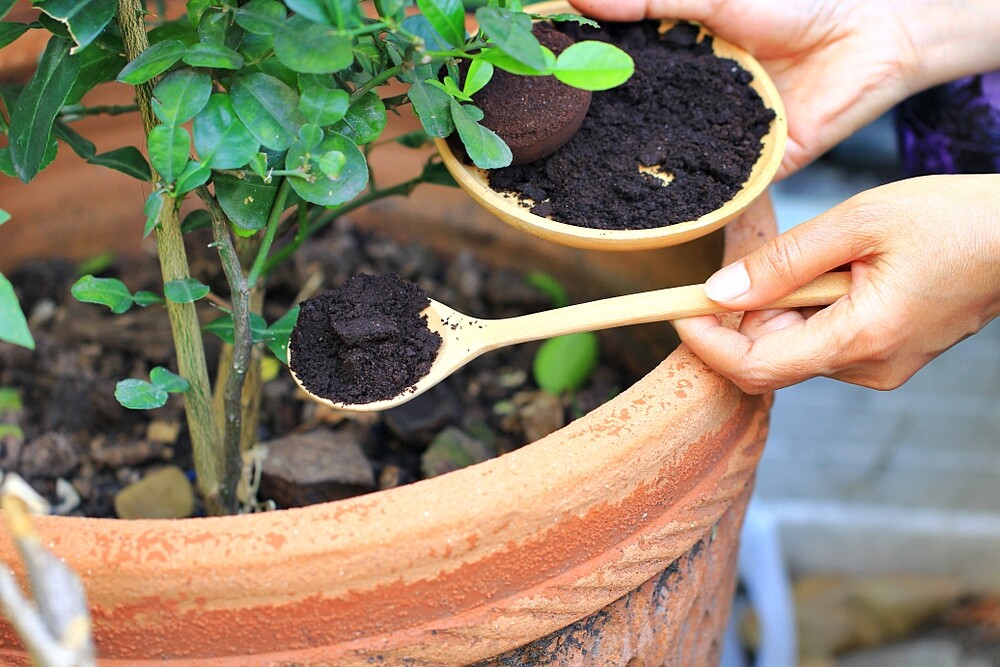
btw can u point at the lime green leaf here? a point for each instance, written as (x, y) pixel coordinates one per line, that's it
(38, 104)
(314, 10)
(320, 188)
(447, 17)
(85, 19)
(195, 175)
(109, 292)
(413, 139)
(344, 13)
(10, 400)
(268, 108)
(480, 73)
(140, 395)
(261, 17)
(168, 381)
(309, 136)
(332, 163)
(80, 145)
(565, 363)
(313, 48)
(146, 298)
(500, 59)
(99, 63)
(364, 121)
(181, 95)
(13, 325)
(218, 56)
(169, 150)
(511, 33)
(552, 287)
(4, 216)
(196, 219)
(220, 138)
(259, 164)
(185, 290)
(593, 66)
(152, 208)
(11, 31)
(127, 160)
(223, 328)
(246, 201)
(324, 106)
(485, 148)
(153, 62)
(568, 18)
(279, 333)
(433, 107)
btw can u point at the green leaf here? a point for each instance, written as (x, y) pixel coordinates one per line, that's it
(185, 290)
(80, 145)
(10, 400)
(552, 287)
(152, 62)
(485, 148)
(195, 175)
(433, 107)
(320, 188)
(140, 395)
(268, 108)
(6, 6)
(413, 139)
(505, 62)
(37, 106)
(127, 160)
(152, 208)
(314, 10)
(564, 364)
(279, 333)
(344, 13)
(169, 150)
(593, 66)
(479, 74)
(568, 18)
(246, 201)
(217, 56)
(447, 17)
(99, 63)
(11, 31)
(13, 325)
(261, 17)
(109, 292)
(511, 33)
(181, 95)
(146, 298)
(220, 138)
(223, 328)
(364, 121)
(168, 381)
(85, 19)
(312, 48)
(324, 106)
(196, 219)
(4, 216)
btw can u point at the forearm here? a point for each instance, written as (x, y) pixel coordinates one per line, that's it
(950, 39)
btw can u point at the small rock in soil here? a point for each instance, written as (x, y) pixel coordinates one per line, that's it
(393, 476)
(416, 421)
(453, 449)
(536, 413)
(126, 454)
(315, 467)
(164, 493)
(49, 455)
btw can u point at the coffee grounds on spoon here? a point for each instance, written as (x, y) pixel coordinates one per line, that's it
(364, 341)
(686, 114)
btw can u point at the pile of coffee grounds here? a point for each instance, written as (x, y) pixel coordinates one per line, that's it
(364, 341)
(534, 115)
(686, 114)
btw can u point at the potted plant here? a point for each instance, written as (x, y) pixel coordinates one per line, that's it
(632, 509)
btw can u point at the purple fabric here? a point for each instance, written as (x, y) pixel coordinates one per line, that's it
(952, 129)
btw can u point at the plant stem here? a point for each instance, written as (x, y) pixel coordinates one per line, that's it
(271, 229)
(209, 462)
(376, 81)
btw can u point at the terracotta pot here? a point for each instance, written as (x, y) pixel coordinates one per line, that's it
(611, 542)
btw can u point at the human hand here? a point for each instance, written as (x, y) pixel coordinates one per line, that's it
(837, 65)
(924, 255)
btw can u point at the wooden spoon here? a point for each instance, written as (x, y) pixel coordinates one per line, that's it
(464, 338)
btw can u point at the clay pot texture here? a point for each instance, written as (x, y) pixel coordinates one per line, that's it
(610, 542)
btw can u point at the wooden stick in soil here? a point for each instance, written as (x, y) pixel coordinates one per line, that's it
(211, 464)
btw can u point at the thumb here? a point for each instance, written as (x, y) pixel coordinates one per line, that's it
(783, 264)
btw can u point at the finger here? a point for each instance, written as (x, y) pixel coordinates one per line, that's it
(760, 322)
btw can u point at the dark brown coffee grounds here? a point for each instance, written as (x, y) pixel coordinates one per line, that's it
(686, 114)
(534, 115)
(364, 341)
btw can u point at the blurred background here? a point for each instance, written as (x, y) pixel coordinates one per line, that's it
(875, 526)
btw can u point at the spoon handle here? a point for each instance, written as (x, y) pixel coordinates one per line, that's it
(655, 306)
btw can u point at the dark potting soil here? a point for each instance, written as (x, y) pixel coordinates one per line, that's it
(686, 114)
(534, 115)
(364, 341)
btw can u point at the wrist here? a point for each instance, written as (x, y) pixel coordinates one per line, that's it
(948, 39)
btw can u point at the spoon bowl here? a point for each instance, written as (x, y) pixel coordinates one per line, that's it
(508, 208)
(463, 338)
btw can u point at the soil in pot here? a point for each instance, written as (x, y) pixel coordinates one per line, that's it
(676, 141)
(68, 435)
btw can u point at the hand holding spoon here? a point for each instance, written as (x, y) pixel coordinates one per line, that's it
(464, 337)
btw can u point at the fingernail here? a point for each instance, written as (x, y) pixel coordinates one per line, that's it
(728, 283)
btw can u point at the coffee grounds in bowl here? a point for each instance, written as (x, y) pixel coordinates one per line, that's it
(686, 115)
(364, 341)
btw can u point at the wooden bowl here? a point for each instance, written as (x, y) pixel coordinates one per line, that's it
(507, 207)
